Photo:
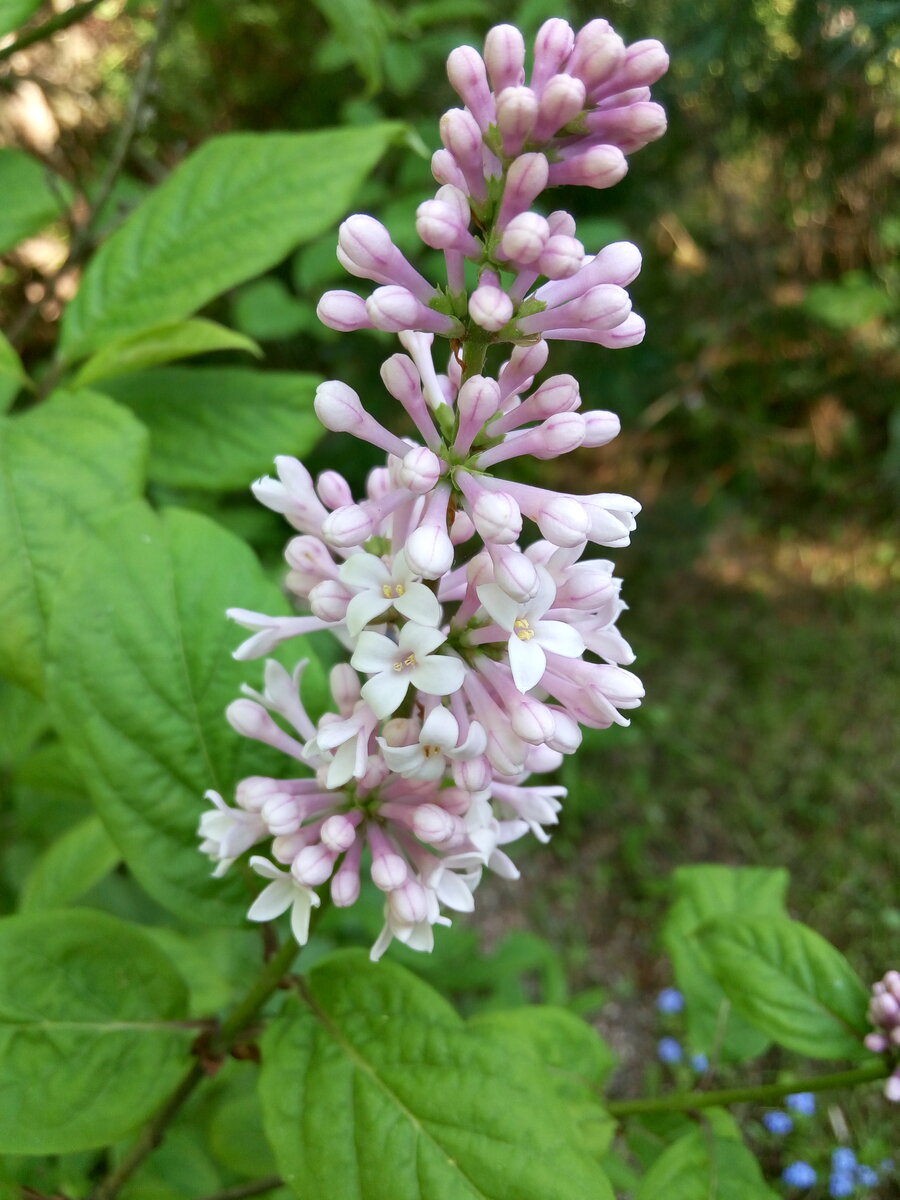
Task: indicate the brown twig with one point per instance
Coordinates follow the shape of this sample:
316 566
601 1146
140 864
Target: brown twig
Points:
56 23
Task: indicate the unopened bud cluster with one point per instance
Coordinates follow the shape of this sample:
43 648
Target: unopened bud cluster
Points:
479 639
884 1014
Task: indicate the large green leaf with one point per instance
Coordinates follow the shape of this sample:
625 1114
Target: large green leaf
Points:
86 1052
708 1163
374 1088
141 673
578 1059
14 13
790 983
61 463
234 208
241 418
28 201
69 867
703 893
12 374
162 344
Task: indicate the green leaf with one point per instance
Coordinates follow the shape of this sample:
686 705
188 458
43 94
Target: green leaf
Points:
29 204
579 1062
14 13
61 463
241 418
146 597
709 1163
265 309
703 893
790 983
373 1087
236 1136
69 867
234 208
85 1049
164 343
13 376
25 718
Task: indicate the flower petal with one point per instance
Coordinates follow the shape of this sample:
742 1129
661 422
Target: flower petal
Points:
527 662
362 609
502 608
374 652
438 675
418 603
559 638
440 728
420 639
273 900
384 692
364 571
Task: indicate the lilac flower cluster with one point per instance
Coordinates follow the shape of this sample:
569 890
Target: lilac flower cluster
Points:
884 1013
474 659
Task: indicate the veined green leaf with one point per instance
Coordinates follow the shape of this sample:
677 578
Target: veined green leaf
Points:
162 344
241 418
69 867
146 598
87 1047
14 13
13 376
373 1087
76 455
29 203
234 208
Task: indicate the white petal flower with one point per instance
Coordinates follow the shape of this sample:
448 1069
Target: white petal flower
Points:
530 636
228 832
395 665
283 893
438 737
380 587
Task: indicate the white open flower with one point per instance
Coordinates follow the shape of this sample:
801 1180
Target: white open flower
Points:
283 893
530 636
395 665
379 587
426 758
228 832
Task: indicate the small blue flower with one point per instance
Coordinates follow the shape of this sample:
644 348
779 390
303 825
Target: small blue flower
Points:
802 1102
799 1175
867 1176
840 1185
669 1050
670 1000
700 1063
777 1122
843 1160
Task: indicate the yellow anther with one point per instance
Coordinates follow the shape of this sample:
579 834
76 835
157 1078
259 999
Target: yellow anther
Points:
393 591
522 629
410 662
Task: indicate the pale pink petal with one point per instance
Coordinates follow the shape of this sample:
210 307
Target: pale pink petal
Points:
384 693
374 652
440 728
273 900
501 607
364 571
418 603
420 639
363 608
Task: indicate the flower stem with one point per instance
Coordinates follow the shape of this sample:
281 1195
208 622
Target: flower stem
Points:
152 1134
686 1101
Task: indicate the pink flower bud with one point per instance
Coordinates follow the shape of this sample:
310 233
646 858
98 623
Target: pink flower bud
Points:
338 833
892 1088
433 825
344 684
249 719
490 307
462 137
365 249
439 225
531 720
343 311
525 237
333 489
282 814
559 434
328 601
389 870
474 774
526 179
338 407
420 470
562 100
598 53
561 223
524 363
429 552
462 528
345 888
504 57
517 109
600 428
552 47
644 63
629 127
597 167
466 72
561 257
347 526
876 1042
478 400
395 309
313 865
514 573
446 170
409 903
497 518
563 521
